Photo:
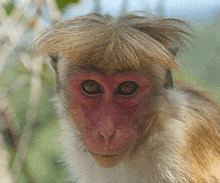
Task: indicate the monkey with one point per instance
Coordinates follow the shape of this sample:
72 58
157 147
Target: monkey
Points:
123 118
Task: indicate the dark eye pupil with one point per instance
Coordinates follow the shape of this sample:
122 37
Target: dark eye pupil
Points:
91 87
127 88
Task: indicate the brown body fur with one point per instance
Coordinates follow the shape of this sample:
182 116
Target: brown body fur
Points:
180 139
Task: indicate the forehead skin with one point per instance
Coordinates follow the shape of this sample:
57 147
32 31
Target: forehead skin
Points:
109 78
68 69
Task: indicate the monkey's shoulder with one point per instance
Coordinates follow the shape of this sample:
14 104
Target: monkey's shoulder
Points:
199 100
201 115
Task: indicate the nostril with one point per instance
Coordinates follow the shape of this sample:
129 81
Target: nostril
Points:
107 135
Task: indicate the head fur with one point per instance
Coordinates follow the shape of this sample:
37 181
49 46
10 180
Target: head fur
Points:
123 43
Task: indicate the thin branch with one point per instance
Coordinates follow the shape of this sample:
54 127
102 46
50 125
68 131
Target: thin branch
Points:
97 6
30 118
124 7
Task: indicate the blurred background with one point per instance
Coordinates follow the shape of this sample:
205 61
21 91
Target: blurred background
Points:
29 148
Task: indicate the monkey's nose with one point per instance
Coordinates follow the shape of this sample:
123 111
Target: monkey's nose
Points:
107 135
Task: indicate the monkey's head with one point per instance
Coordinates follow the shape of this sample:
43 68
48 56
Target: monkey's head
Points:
107 72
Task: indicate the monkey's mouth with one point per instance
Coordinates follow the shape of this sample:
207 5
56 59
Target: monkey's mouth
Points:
107 156
107 160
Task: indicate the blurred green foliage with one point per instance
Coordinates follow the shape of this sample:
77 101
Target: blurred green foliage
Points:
200 64
63 3
9 6
203 57
42 162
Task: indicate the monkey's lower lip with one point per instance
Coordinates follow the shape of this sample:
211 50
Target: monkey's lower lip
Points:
107 156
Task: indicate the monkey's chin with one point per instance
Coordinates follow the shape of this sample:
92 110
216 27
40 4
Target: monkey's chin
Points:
108 161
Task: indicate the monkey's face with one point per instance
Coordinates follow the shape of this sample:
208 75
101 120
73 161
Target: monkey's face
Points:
106 109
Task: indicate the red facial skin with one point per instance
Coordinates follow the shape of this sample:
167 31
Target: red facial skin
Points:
107 119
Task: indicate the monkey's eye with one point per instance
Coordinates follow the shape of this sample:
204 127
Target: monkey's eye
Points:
91 87
127 88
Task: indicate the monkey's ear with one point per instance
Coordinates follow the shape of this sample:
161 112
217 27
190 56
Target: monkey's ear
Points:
169 80
54 61
173 50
